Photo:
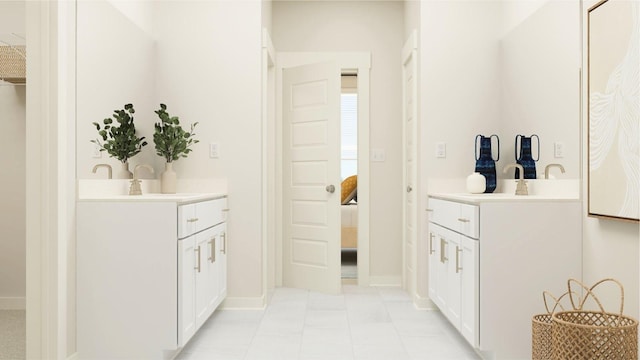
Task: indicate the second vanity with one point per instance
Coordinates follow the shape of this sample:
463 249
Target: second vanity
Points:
490 257
151 270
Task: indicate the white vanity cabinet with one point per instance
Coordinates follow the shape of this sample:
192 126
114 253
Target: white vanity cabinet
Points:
490 259
139 295
202 266
453 265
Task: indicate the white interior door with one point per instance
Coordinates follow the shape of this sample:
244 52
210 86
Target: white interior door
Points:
311 177
409 111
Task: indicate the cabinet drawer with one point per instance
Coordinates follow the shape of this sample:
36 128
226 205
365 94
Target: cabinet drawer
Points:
193 218
459 217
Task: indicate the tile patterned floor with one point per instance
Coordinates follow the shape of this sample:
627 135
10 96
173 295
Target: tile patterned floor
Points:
361 323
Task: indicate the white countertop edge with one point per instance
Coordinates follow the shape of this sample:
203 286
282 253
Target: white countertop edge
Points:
179 198
500 197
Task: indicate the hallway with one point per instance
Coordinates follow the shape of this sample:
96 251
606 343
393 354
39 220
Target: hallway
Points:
361 323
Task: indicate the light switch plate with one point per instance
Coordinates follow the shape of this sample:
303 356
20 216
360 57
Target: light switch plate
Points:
214 150
558 149
441 150
378 155
97 154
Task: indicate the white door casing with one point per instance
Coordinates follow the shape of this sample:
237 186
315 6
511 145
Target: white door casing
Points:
410 163
311 177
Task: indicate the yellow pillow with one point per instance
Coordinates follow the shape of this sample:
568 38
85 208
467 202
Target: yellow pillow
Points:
349 188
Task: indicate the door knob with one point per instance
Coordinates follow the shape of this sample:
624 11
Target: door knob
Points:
409 188
330 189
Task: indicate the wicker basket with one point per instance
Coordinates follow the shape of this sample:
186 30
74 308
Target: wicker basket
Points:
583 334
541 324
13 67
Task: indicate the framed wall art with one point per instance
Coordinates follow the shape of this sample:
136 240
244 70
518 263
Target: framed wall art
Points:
613 89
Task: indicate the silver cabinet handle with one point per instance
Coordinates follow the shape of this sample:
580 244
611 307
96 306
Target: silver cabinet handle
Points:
224 243
458 251
443 244
431 251
197 250
330 189
464 220
192 220
428 210
409 188
212 242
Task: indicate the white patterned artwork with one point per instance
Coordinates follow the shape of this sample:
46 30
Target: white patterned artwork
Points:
614 109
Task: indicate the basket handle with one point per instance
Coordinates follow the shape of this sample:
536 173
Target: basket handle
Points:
589 292
555 300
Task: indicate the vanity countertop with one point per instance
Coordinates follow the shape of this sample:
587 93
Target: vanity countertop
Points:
179 198
500 197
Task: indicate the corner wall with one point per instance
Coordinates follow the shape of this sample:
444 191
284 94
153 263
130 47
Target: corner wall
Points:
12 192
460 92
209 63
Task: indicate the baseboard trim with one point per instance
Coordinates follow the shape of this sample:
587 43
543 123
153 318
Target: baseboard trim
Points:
231 303
13 303
73 356
424 303
385 280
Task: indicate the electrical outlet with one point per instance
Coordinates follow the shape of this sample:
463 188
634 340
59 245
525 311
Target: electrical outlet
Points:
441 150
96 151
214 150
558 149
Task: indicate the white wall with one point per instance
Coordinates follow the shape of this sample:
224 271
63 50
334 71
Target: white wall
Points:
376 27
12 192
209 70
517 11
610 247
115 66
540 73
411 17
460 92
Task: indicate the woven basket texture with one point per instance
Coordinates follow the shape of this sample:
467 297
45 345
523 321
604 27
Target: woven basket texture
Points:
541 337
12 62
580 334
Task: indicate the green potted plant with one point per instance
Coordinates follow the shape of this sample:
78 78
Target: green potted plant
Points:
119 139
172 143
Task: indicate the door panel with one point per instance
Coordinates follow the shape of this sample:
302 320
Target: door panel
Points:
409 71
311 229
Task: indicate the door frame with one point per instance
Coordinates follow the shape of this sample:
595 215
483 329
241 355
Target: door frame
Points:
360 62
51 174
409 278
268 163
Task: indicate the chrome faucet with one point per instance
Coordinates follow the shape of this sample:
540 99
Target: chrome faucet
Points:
546 169
135 188
521 188
95 168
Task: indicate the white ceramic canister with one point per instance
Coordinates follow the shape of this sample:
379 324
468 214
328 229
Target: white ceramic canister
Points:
476 183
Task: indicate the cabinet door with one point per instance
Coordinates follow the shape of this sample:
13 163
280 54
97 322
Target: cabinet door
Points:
454 277
432 248
222 263
442 271
212 285
205 281
186 289
470 291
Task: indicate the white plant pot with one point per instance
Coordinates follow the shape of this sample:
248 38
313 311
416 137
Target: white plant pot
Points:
123 172
168 179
